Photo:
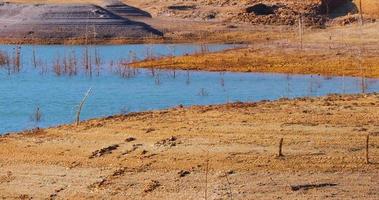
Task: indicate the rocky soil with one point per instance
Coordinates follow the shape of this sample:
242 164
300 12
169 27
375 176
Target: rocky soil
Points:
314 13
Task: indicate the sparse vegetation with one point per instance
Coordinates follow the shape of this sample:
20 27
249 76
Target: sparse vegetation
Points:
3 59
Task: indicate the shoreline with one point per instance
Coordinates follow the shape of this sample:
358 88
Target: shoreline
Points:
147 112
319 53
211 37
150 154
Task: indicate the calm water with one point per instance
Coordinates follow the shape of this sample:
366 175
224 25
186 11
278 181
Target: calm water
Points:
119 89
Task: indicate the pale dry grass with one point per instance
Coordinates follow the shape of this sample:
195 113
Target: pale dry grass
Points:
352 35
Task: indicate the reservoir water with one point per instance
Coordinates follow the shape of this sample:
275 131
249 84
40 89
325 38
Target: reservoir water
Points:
54 79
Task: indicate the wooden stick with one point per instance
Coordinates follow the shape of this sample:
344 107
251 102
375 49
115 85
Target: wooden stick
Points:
280 154
361 12
206 179
301 31
367 149
81 106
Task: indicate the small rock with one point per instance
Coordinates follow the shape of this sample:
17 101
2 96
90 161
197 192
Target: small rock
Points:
151 186
130 139
183 173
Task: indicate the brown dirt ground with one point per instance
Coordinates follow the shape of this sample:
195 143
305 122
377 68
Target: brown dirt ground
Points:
165 154
184 25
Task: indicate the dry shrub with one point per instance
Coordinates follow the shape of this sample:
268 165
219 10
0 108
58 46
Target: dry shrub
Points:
3 58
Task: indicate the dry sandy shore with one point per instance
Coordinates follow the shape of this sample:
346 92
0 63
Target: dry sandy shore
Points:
224 151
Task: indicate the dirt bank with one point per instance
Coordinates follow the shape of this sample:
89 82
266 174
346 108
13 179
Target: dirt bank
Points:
227 150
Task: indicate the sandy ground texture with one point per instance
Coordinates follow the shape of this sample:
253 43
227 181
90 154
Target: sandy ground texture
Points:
203 152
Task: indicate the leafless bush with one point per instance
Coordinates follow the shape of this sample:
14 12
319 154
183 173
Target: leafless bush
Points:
37 115
188 78
4 59
124 70
57 67
222 80
87 61
203 92
98 62
149 53
125 110
157 79
204 49
14 63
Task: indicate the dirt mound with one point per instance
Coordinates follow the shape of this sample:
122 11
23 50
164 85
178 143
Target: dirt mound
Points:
69 21
314 13
282 14
261 9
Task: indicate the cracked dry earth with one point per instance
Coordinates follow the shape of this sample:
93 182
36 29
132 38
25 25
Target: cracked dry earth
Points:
224 151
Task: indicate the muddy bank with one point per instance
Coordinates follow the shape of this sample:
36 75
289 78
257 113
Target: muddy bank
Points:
274 60
218 151
343 51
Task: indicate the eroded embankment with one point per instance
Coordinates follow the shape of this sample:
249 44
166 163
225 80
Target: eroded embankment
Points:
219 151
65 21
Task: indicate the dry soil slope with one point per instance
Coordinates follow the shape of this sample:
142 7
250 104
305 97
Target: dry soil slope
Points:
70 21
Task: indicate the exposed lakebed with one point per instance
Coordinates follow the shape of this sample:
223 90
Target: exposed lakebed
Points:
54 79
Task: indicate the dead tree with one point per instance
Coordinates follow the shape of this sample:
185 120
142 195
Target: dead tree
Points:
81 106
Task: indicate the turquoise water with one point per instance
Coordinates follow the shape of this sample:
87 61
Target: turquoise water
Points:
113 92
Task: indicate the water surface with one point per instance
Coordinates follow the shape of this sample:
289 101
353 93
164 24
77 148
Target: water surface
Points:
119 89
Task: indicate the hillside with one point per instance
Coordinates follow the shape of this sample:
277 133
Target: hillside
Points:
136 21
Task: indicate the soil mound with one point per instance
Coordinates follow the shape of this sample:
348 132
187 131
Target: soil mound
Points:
261 9
282 14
